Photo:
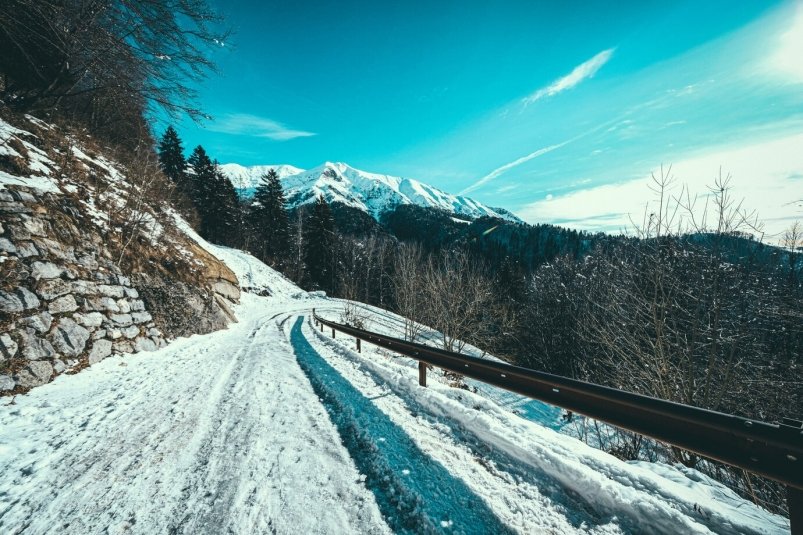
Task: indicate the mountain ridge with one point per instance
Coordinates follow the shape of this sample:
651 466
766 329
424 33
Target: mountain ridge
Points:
373 193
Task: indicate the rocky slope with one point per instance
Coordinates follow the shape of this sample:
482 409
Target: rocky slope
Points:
91 262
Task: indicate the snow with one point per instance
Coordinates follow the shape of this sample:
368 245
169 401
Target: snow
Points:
372 193
271 426
248 178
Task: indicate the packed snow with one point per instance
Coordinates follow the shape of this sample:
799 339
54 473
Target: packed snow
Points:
370 192
272 426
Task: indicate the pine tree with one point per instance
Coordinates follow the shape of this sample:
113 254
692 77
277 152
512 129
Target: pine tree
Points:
225 207
319 246
270 219
201 187
171 158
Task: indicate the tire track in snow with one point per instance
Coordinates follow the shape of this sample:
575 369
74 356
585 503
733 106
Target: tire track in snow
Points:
415 493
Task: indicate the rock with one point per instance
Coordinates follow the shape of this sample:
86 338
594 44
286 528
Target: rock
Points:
8 347
6 246
123 320
10 303
62 304
37 372
46 270
51 288
131 332
132 293
26 249
90 319
88 262
111 291
59 366
14 208
123 281
100 333
100 350
124 306
69 338
83 287
114 334
35 226
21 299
28 298
141 317
144 344
154 332
40 322
226 289
101 303
124 346
137 306
35 348
23 196
6 383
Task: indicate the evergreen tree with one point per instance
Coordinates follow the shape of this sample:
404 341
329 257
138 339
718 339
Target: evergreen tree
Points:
270 219
223 217
171 158
201 187
319 246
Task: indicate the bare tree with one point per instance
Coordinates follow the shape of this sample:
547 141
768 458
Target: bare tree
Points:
407 288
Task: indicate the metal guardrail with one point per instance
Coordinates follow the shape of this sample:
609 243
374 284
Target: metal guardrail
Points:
774 451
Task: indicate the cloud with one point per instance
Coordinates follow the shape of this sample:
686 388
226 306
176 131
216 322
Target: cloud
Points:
787 56
764 174
578 74
244 124
524 159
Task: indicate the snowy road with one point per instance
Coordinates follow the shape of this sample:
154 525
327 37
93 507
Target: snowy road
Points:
272 427
215 434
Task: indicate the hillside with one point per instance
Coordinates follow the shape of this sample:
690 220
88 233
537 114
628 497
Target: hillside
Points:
91 260
373 193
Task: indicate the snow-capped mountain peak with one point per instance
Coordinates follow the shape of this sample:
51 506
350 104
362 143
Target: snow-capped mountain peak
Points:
372 193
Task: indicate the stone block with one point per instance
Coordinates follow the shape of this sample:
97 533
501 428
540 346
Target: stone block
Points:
36 373
7 247
141 317
89 319
52 288
6 383
124 320
131 332
100 350
69 338
34 347
144 344
8 347
65 303
46 270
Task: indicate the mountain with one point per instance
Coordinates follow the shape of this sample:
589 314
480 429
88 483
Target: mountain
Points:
372 193
247 178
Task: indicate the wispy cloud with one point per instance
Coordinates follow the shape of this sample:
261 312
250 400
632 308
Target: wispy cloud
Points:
578 74
499 170
245 124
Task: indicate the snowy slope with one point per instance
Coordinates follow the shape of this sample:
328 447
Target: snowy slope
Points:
370 192
248 178
273 427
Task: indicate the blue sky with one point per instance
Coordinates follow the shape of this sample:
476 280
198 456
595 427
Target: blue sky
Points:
532 106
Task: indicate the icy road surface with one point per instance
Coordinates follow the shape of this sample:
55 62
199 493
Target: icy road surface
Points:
272 427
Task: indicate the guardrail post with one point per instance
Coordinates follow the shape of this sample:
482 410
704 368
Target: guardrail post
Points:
333 332
794 502
422 373
359 348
